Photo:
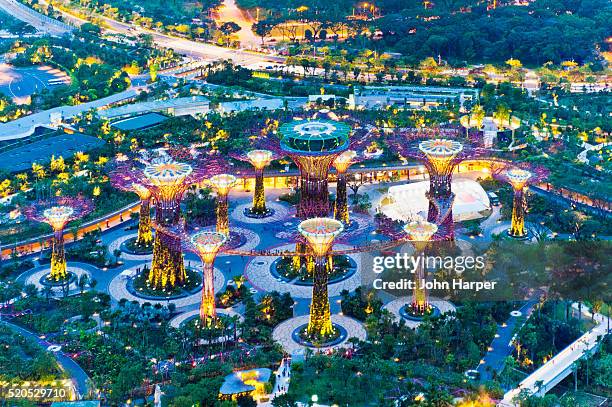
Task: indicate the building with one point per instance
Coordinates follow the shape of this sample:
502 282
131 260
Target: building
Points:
173 107
415 97
405 201
245 382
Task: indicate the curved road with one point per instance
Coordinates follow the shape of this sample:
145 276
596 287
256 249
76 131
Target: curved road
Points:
196 50
78 375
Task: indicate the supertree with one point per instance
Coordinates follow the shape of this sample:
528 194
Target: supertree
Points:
127 182
519 177
259 159
320 234
167 177
420 233
313 145
222 183
207 245
341 164
440 154
58 212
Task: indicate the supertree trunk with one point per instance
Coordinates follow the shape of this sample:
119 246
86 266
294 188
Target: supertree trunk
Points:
222 215
440 209
168 268
145 236
320 323
517 228
208 310
259 196
420 303
314 199
341 211
58 257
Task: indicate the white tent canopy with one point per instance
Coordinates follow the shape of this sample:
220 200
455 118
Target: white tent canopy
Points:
405 202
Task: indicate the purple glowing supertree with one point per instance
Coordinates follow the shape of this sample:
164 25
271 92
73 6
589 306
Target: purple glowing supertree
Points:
58 212
314 145
167 177
440 151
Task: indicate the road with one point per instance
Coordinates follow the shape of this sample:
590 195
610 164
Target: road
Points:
78 375
229 11
24 126
196 50
550 372
39 21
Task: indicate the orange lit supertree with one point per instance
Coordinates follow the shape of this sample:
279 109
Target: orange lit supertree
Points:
207 245
420 233
167 177
519 177
58 212
320 234
440 151
222 184
127 182
341 164
259 159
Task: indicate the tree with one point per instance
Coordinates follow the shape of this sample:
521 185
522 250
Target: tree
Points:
262 29
284 400
82 282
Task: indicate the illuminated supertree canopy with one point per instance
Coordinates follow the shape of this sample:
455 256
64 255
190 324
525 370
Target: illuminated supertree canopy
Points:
222 183
207 245
519 177
259 159
58 212
167 179
320 234
341 164
313 146
441 154
420 233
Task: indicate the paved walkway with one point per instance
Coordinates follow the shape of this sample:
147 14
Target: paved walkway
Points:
283 333
259 275
118 289
501 346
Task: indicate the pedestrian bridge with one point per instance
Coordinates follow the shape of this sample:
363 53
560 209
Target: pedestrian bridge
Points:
562 365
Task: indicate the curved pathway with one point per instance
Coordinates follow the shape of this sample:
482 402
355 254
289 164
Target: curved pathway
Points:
258 273
560 366
283 333
177 321
118 290
79 376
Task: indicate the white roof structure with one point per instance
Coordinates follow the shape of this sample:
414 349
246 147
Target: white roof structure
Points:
407 202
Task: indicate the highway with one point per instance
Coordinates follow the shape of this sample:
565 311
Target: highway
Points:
39 21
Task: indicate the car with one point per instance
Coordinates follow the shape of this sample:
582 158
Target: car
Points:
493 198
